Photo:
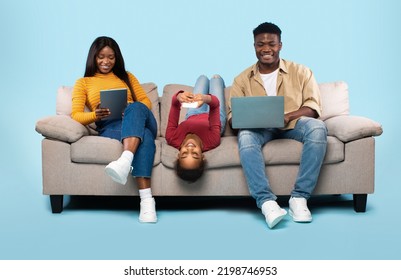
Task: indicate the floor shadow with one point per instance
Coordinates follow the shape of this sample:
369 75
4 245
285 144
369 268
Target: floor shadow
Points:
197 203
163 203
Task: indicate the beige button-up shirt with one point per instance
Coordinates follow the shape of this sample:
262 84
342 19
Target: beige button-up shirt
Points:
294 81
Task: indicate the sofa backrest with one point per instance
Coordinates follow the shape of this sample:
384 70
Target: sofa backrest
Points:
64 101
334 99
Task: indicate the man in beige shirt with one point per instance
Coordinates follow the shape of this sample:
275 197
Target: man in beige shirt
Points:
274 76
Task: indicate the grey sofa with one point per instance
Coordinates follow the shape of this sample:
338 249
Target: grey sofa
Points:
74 157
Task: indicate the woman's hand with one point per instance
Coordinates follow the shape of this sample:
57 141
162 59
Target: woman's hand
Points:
101 113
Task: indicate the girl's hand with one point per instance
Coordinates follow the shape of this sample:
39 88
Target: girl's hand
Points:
185 97
202 98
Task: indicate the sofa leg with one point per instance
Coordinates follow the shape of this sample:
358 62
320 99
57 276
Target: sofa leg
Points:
56 202
360 202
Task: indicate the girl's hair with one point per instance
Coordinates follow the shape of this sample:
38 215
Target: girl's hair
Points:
189 175
118 69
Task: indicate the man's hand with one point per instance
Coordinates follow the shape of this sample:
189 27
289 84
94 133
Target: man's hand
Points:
302 112
286 119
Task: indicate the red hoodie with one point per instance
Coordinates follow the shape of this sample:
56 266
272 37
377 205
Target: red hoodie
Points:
207 125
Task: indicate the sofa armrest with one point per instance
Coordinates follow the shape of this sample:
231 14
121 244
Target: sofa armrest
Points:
61 128
349 128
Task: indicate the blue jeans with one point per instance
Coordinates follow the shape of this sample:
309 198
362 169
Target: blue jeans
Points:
215 87
309 131
138 122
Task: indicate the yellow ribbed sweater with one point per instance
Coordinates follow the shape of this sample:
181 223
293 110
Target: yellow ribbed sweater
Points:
87 92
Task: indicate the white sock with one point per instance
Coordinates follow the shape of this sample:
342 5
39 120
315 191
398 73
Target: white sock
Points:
145 193
127 155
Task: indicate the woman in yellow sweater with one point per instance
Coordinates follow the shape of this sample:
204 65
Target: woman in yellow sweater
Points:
137 129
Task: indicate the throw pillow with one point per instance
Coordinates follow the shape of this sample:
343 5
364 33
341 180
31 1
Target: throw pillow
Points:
334 98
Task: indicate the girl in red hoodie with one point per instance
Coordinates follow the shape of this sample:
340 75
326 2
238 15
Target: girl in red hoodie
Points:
202 128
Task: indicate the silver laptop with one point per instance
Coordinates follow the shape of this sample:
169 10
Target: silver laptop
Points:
257 112
115 100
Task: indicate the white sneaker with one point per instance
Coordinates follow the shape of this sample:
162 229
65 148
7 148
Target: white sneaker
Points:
118 170
147 214
273 213
299 210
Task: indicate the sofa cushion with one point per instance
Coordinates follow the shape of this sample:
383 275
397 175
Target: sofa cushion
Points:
151 90
165 104
334 98
61 127
228 130
349 128
101 150
283 151
64 103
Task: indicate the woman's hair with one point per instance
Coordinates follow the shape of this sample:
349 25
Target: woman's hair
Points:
119 67
190 175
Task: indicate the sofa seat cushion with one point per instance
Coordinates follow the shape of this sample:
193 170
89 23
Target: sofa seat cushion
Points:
276 152
101 150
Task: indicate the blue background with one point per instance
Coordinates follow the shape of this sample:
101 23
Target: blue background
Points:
44 44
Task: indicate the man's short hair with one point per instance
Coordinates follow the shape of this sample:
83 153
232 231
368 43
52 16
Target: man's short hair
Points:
267 27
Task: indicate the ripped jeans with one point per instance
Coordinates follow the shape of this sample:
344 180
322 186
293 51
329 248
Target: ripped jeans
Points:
309 131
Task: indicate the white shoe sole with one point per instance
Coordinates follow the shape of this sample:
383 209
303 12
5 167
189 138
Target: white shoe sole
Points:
300 219
150 221
115 176
277 219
